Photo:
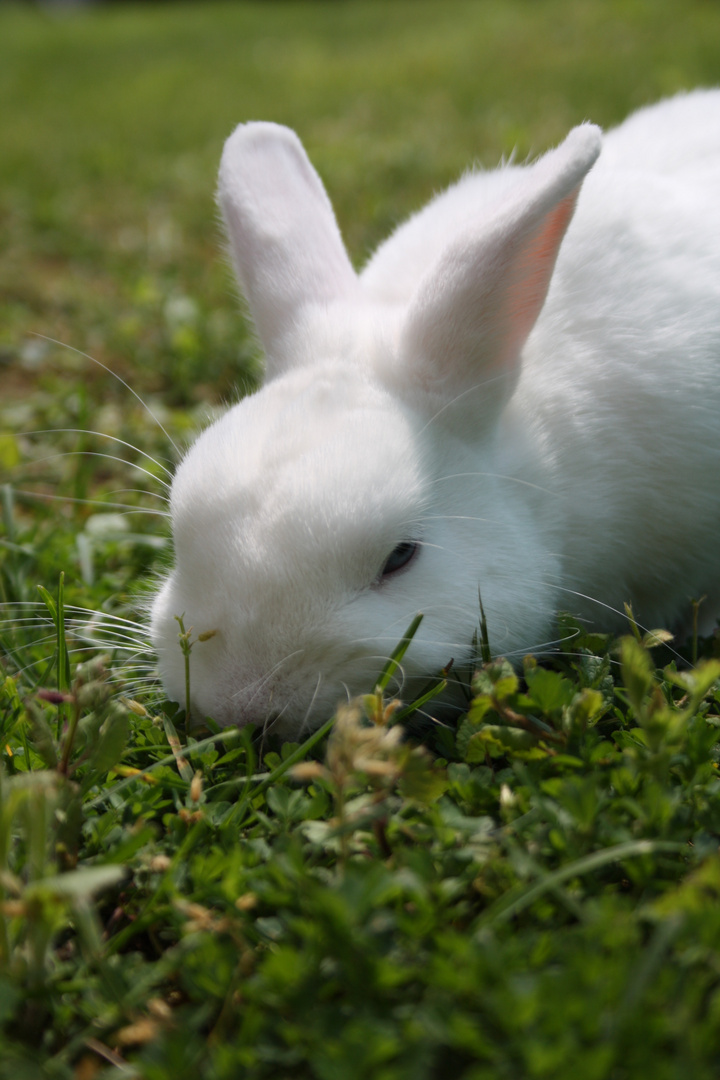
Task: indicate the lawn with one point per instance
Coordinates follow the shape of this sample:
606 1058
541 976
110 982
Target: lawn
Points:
534 895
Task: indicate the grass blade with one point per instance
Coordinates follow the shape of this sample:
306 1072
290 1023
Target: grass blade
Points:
516 900
396 658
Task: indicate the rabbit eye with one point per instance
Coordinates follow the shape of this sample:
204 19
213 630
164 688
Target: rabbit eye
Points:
400 557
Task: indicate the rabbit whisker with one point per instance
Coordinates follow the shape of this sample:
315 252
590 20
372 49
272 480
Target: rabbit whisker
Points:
87 356
452 403
496 476
107 457
259 683
308 711
128 507
100 435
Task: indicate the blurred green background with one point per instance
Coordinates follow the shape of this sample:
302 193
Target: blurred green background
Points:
113 116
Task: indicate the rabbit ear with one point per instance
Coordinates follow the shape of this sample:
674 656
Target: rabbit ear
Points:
285 242
473 312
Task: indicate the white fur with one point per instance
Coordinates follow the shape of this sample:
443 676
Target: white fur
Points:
541 414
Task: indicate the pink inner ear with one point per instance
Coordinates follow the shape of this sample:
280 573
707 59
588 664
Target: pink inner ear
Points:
550 236
472 315
532 275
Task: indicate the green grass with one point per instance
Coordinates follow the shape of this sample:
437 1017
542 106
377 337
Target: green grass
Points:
537 895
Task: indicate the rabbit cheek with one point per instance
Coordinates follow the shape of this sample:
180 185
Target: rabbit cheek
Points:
179 625
240 672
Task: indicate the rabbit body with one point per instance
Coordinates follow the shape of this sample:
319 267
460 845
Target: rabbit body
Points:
519 395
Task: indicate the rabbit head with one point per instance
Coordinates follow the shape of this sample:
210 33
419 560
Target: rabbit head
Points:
369 479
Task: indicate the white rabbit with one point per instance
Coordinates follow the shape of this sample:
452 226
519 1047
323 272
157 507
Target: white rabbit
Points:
519 395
